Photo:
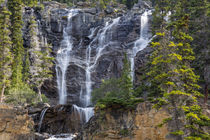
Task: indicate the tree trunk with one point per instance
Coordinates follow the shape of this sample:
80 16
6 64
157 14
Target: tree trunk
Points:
206 93
40 94
2 93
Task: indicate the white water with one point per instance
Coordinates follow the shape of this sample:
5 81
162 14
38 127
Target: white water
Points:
62 137
85 113
85 98
103 40
142 42
63 58
41 118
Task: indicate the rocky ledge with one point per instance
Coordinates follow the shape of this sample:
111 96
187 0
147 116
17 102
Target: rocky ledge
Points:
138 124
15 124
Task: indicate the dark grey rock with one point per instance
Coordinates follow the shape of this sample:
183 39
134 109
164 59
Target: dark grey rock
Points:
53 19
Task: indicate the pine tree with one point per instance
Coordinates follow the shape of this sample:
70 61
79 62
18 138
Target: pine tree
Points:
5 49
40 52
125 79
175 78
17 41
26 67
117 90
199 24
30 3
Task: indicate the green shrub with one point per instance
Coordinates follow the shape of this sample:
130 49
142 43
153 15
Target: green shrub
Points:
21 95
116 91
44 99
124 132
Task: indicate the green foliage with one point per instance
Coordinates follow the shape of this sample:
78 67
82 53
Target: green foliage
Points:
5 49
44 99
21 94
116 91
124 132
42 66
164 121
26 67
17 40
30 3
170 70
177 133
118 103
102 3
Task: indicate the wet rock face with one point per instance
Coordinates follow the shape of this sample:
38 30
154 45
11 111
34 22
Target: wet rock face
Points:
15 124
51 23
58 119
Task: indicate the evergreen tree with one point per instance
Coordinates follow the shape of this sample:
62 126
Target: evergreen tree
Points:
26 67
30 3
199 24
115 89
5 49
40 70
17 41
173 75
125 79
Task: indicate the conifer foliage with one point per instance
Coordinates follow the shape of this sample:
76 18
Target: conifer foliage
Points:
5 49
115 90
17 41
171 71
40 52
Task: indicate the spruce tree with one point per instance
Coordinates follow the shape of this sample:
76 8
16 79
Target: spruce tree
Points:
40 53
125 79
175 78
26 67
17 41
30 3
5 49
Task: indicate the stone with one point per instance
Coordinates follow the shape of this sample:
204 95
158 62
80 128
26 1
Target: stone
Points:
139 124
53 19
58 119
15 124
109 10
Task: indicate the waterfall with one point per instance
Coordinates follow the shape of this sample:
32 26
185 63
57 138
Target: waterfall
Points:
142 42
63 58
41 118
62 137
103 38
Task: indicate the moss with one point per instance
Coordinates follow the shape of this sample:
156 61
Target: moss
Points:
124 132
177 133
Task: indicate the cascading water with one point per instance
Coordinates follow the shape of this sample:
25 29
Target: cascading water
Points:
63 58
41 118
87 112
142 42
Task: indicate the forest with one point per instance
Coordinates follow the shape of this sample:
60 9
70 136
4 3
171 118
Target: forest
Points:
176 73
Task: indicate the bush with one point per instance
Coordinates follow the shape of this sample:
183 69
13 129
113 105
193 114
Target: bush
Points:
116 91
21 95
44 99
108 89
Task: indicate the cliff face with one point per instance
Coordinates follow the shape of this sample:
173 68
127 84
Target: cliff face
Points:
139 124
87 28
15 124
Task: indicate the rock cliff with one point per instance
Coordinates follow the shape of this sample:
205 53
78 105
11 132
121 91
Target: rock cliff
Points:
86 30
15 124
138 124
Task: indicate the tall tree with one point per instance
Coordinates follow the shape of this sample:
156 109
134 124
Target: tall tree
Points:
5 49
17 41
40 53
172 73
